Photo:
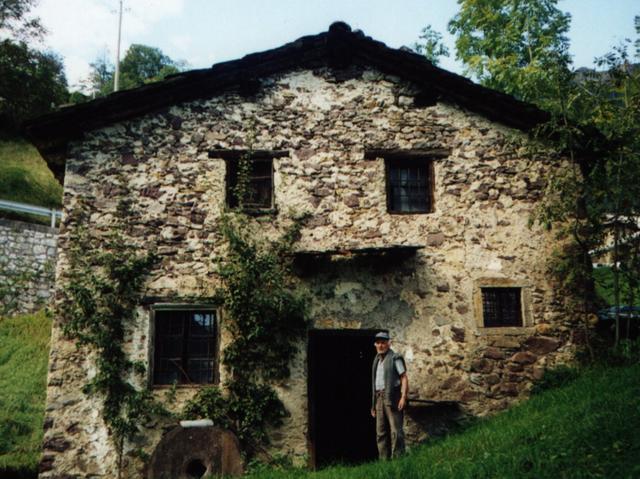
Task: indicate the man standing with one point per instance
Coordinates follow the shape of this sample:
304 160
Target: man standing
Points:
389 398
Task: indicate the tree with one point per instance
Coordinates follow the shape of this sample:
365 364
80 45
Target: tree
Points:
31 83
636 22
141 64
431 46
598 205
515 46
15 21
100 81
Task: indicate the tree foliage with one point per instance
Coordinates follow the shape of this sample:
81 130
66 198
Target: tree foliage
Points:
515 46
520 47
144 64
636 22
141 64
15 21
265 317
430 45
596 122
31 83
103 286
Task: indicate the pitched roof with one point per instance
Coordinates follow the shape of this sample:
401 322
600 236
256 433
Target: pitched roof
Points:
339 47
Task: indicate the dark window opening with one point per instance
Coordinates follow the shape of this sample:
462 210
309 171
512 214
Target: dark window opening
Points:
259 187
409 186
501 307
185 347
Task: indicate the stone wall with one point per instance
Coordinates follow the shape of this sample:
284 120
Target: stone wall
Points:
27 264
485 193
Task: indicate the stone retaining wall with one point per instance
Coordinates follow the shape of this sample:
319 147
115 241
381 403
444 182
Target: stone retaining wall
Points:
27 264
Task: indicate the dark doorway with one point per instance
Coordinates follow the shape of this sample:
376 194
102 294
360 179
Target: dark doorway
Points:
340 424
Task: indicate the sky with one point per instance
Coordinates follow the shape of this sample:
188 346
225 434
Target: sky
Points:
204 32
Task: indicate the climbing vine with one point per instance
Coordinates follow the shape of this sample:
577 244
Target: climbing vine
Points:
103 285
265 315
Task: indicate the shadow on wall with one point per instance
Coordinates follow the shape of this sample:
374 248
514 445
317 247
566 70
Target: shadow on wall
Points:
432 419
361 291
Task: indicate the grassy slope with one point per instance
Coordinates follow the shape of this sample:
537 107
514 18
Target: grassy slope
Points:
586 429
25 177
24 348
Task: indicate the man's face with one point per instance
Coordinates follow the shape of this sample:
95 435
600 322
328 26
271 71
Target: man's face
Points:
382 346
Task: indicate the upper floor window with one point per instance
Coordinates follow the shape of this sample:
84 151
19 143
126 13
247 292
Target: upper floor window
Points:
258 187
185 346
501 307
409 185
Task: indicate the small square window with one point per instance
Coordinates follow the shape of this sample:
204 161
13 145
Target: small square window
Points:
409 186
185 346
259 193
501 307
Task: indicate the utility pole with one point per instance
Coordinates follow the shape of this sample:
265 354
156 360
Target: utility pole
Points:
116 77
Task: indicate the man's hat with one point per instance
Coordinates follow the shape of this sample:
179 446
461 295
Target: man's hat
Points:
382 336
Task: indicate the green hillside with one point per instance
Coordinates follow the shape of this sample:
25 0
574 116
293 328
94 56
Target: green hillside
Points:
24 350
25 177
586 429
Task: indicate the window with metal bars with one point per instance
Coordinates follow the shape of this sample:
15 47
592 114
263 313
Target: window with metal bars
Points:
501 307
409 186
259 194
185 347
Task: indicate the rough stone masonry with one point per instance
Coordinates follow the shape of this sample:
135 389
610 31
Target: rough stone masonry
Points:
485 190
27 263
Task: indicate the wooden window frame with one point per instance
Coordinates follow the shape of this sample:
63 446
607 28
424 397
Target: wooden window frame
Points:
395 162
180 307
231 157
231 181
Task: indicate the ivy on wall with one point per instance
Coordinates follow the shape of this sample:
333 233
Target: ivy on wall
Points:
102 288
266 316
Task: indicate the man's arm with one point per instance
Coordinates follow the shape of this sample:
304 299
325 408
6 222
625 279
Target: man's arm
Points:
404 391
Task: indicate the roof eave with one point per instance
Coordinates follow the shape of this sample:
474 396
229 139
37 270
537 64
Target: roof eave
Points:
337 48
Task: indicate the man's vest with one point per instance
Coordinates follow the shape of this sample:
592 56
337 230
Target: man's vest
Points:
391 378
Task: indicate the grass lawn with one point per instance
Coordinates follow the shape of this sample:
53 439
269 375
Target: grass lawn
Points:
25 176
24 350
586 429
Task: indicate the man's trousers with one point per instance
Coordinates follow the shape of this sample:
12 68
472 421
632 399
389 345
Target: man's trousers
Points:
389 432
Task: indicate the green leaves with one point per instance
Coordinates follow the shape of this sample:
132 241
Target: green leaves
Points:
515 46
266 317
141 64
102 289
430 45
30 83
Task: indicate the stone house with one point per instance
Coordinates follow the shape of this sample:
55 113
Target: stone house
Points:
420 205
